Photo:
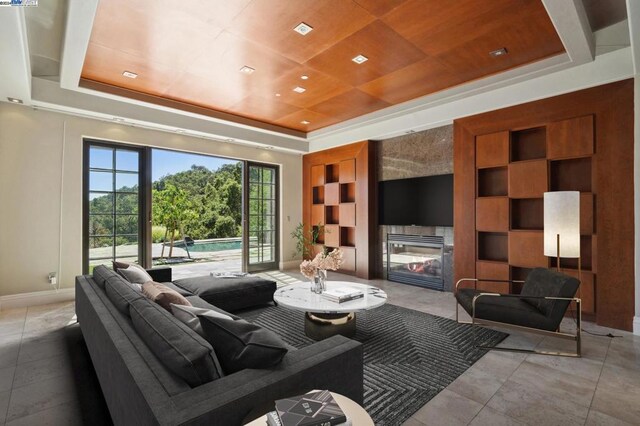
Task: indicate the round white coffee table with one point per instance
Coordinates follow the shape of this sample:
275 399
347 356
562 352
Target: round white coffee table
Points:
351 409
323 317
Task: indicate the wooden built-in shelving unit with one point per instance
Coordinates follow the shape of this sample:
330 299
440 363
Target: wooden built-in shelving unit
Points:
339 194
505 160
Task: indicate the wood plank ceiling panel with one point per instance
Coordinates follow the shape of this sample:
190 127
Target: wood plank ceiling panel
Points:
192 55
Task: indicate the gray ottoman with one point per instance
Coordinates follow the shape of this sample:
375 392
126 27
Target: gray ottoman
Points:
230 294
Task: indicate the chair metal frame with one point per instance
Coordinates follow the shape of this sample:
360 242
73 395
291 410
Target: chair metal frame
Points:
482 322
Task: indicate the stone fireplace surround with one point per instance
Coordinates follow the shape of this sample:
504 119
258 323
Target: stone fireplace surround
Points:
418 154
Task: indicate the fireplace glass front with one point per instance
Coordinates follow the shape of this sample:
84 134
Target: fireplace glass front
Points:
416 260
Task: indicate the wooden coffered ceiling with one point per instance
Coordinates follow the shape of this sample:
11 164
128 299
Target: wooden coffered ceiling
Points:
188 55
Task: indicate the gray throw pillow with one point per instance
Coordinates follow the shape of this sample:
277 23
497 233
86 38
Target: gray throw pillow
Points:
178 347
189 316
133 273
240 344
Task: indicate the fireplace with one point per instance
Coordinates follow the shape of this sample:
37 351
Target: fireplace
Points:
416 260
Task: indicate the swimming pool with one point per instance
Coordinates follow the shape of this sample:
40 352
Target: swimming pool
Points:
203 246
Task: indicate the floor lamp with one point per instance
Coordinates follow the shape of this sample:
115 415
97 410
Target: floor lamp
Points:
562 226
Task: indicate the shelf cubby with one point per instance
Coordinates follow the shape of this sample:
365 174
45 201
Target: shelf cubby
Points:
493 246
348 192
319 230
347 236
332 215
332 173
586 254
318 195
571 175
492 182
519 274
527 214
529 144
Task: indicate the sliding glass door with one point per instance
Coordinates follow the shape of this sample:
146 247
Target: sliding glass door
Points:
114 191
261 217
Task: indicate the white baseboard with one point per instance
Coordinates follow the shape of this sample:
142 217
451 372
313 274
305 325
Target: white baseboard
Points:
636 325
290 264
36 298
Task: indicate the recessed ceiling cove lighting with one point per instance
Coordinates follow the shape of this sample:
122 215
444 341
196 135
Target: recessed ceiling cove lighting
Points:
305 122
303 28
304 77
360 59
499 52
247 70
14 100
278 94
129 74
299 89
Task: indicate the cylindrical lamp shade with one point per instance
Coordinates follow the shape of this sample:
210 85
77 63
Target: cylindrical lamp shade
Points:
562 217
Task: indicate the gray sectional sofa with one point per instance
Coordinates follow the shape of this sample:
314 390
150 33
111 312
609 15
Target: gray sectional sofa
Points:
147 382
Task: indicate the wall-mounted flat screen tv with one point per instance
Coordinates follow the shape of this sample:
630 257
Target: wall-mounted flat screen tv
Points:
423 201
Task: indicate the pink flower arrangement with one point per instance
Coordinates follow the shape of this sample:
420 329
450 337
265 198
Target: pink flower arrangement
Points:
329 261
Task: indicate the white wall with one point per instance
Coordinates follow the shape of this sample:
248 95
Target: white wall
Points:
32 173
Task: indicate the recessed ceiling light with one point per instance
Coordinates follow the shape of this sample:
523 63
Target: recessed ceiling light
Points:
268 147
304 77
129 74
118 119
299 89
230 140
499 52
179 131
247 70
360 59
305 122
303 28
278 94
14 100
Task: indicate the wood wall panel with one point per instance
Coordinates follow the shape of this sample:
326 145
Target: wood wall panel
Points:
570 138
350 203
606 178
492 150
526 249
528 179
492 214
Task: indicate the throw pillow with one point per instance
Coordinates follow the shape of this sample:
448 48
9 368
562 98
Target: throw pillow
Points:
240 344
163 295
189 316
132 272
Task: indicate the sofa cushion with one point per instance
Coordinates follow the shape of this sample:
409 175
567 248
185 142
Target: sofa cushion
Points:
178 347
189 316
230 294
163 295
101 273
132 272
121 293
240 344
543 282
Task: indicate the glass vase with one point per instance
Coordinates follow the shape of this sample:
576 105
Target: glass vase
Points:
321 281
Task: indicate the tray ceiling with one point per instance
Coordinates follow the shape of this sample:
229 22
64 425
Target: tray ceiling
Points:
190 57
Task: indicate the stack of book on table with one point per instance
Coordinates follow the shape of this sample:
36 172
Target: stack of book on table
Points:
342 294
316 408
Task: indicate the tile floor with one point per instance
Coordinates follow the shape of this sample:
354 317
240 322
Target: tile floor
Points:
602 388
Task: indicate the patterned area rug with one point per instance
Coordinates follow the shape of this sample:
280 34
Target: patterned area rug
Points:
409 356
